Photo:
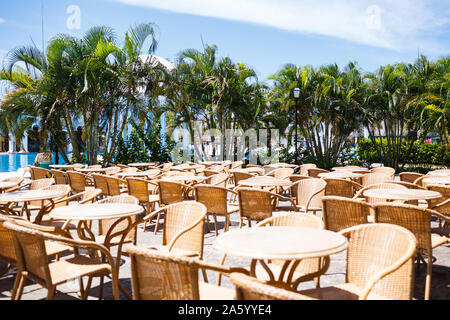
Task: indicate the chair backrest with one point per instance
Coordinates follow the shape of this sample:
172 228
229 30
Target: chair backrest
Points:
59 176
170 192
239 175
41 183
114 185
340 212
341 187
39 173
310 192
255 204
250 288
112 170
314 172
293 219
157 275
409 176
282 173
305 167
64 188
213 197
444 190
17 180
129 169
237 164
373 178
414 218
409 185
219 180
386 170
101 183
7 251
209 173
376 249
77 181
95 166
179 216
151 173
138 188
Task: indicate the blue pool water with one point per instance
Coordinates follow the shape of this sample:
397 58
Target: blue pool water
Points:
13 161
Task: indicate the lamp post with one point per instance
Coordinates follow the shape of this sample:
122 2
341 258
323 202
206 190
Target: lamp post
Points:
296 97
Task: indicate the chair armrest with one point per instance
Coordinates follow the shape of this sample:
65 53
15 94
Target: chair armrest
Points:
173 241
286 199
312 196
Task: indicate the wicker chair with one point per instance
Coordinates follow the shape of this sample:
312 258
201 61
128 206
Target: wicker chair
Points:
386 170
33 261
305 167
314 172
255 204
418 221
77 181
157 275
209 173
309 195
442 206
219 180
46 206
240 175
129 169
101 183
250 288
39 173
374 178
215 200
237 164
143 190
59 176
409 176
17 180
341 212
409 185
112 170
282 173
34 184
293 188
307 269
116 186
380 265
341 187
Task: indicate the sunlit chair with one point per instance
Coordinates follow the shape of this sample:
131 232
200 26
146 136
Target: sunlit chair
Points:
305 167
409 176
314 172
59 176
340 212
374 178
39 173
341 187
386 170
309 195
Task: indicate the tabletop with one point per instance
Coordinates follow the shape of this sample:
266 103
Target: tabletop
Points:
281 165
30 195
61 166
90 170
350 169
436 180
264 181
441 172
96 211
249 170
402 194
340 174
183 177
136 174
286 243
143 164
7 184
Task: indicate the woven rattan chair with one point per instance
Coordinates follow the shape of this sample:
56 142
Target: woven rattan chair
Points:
409 185
240 175
255 204
380 265
129 169
112 170
409 176
116 186
340 212
374 178
307 269
17 180
157 275
309 195
282 173
77 181
45 206
209 173
39 173
219 180
442 206
34 184
143 191
314 172
236 164
341 187
59 176
33 261
216 201
293 188
250 288
305 167
101 183
418 221
386 170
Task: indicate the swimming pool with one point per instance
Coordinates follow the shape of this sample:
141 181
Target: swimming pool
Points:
13 161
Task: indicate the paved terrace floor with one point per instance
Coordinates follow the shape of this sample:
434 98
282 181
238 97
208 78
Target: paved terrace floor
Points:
440 282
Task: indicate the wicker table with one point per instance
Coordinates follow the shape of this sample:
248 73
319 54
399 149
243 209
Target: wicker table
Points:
91 170
401 194
62 166
143 164
256 170
184 178
291 244
351 169
436 180
441 172
282 165
264 181
140 174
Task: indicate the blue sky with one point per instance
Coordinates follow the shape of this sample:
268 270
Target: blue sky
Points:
261 33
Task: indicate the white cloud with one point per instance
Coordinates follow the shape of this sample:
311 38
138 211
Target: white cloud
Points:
397 25
2 20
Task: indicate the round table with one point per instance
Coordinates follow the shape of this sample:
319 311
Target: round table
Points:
282 165
62 166
135 174
351 169
91 170
401 194
29 195
436 180
7 184
264 181
441 172
340 174
283 243
184 177
257 170
143 164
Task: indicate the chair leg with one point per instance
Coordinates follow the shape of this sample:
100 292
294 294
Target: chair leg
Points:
222 262
428 278
22 280
87 289
16 285
100 288
207 223
227 222
205 276
215 224
157 222
51 292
